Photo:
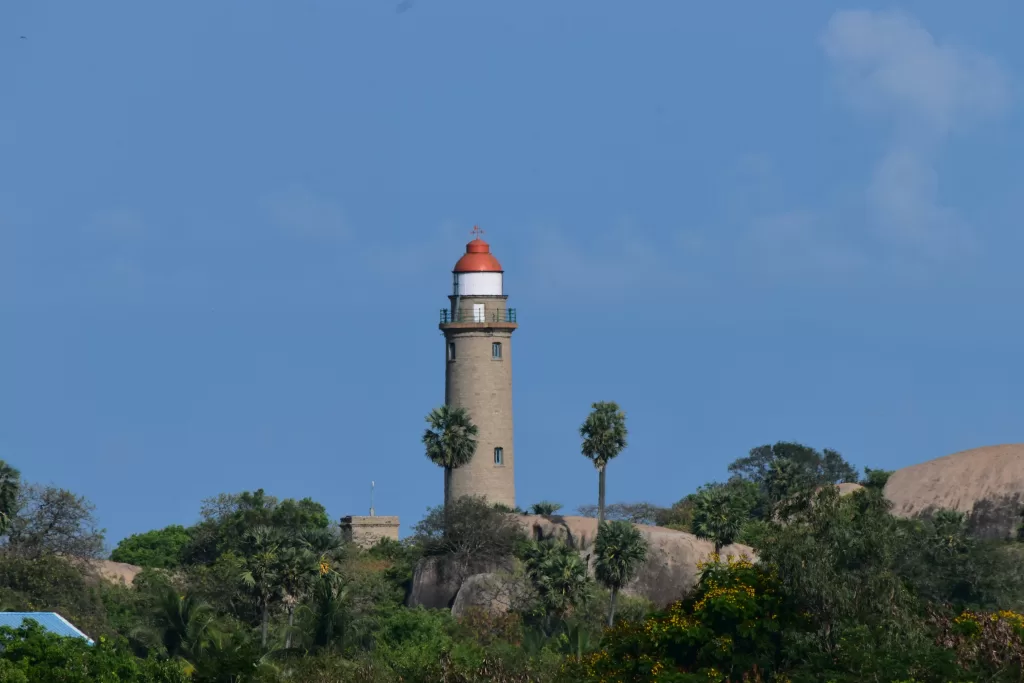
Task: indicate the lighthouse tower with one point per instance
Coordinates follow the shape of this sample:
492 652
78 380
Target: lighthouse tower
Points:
478 371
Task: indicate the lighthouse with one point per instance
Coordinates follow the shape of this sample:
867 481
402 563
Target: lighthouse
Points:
477 330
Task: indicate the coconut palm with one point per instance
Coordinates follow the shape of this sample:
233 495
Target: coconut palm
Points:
604 437
450 441
10 484
620 549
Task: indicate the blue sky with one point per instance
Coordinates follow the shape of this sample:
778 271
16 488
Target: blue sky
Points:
226 230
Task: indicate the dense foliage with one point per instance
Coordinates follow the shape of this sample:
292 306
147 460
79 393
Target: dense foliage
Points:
262 590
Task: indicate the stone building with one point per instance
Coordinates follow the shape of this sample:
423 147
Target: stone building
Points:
478 371
368 530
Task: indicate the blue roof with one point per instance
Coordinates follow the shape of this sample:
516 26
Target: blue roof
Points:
50 621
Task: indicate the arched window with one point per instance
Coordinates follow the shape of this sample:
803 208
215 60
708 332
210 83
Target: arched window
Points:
496 350
499 455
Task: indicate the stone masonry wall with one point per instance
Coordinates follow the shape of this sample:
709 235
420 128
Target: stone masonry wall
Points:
366 531
483 386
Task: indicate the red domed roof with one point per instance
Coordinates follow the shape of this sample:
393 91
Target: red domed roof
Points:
477 259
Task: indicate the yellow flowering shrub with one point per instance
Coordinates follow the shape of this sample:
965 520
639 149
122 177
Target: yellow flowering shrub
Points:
989 639
727 630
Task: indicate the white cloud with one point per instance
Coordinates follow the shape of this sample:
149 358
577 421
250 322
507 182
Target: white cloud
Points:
888 67
300 213
888 64
903 202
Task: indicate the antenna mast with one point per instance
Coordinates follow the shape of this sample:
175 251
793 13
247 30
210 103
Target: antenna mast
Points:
371 499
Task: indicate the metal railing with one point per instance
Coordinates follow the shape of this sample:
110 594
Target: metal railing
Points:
468 315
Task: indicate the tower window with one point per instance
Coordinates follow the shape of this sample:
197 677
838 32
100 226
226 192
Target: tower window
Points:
451 350
499 456
496 350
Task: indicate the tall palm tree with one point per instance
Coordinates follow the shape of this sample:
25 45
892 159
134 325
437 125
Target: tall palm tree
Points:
450 441
296 568
10 484
262 574
604 437
620 549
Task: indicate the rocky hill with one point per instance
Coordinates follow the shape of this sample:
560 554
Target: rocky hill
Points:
986 483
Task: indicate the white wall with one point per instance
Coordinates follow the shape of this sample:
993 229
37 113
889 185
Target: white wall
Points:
480 284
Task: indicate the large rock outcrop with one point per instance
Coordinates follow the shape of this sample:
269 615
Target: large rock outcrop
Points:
437 580
986 483
495 592
669 573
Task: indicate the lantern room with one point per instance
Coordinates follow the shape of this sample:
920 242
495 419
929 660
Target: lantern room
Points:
477 273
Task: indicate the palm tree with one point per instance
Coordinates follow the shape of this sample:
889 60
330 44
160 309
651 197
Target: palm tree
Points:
545 508
262 575
326 615
301 564
620 549
296 566
10 484
184 624
604 437
717 516
450 441
559 576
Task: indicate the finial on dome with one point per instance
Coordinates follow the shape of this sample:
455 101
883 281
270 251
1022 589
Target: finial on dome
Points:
478 257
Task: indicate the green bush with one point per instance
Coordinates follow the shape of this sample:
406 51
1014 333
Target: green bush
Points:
33 655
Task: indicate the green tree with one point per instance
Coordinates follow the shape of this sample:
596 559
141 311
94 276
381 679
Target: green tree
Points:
450 441
43 657
472 535
620 549
875 479
183 624
262 572
604 437
545 508
227 518
678 516
54 521
326 615
300 563
10 485
820 467
159 548
559 576
719 513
